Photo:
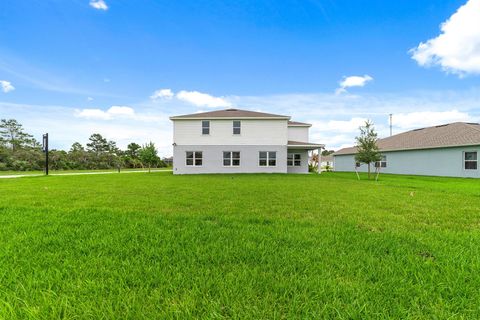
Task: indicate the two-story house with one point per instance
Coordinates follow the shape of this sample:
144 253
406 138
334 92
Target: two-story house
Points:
240 141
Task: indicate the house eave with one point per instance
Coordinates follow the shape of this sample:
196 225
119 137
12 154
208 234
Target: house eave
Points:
305 146
300 125
416 148
230 118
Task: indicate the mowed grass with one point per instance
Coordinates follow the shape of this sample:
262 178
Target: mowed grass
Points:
156 246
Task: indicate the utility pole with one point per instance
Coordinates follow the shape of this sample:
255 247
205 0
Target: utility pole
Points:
45 149
391 124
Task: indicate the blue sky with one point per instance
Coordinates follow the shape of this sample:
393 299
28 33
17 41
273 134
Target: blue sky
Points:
81 66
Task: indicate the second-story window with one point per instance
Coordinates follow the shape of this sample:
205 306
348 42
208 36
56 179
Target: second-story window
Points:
236 126
205 127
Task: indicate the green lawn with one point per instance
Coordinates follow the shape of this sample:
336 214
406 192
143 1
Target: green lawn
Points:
155 246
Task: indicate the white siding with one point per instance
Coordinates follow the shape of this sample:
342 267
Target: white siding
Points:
253 132
298 134
213 159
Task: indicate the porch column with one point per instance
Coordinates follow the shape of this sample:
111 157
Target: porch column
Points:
319 167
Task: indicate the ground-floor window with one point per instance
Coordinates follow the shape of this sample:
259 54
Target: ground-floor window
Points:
194 158
231 158
382 163
294 160
470 160
267 158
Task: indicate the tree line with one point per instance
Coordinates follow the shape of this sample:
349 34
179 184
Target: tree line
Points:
20 151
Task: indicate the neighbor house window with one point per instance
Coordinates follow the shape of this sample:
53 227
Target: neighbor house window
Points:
294 160
205 127
267 158
382 163
236 126
194 158
470 160
231 158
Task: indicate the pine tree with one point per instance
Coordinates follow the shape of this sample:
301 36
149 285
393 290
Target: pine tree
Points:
13 136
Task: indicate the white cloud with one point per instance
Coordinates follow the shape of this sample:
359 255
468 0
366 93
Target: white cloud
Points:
335 118
162 94
341 126
116 113
428 118
457 48
92 114
111 113
200 99
98 4
121 111
337 134
195 98
65 128
89 99
352 81
6 86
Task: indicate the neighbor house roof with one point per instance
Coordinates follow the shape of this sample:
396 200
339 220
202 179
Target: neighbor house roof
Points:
442 136
328 158
230 114
298 124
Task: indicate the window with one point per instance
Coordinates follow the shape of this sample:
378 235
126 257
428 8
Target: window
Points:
357 164
205 127
231 158
267 158
382 163
194 158
294 160
470 160
236 126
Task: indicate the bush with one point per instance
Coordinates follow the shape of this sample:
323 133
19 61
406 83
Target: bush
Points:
20 165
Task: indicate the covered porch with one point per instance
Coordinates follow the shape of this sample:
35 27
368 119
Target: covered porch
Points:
298 155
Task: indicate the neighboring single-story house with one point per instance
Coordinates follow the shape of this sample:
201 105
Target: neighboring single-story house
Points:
327 162
443 150
168 161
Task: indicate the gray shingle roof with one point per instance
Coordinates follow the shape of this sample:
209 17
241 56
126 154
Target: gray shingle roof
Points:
327 158
299 143
230 114
447 135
